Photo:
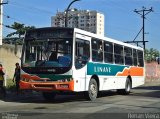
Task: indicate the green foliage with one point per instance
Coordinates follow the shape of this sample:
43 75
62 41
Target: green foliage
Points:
20 29
10 85
151 54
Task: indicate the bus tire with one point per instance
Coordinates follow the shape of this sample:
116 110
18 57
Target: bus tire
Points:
92 90
49 96
128 87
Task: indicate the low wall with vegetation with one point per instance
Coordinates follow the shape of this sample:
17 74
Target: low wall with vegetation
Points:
9 55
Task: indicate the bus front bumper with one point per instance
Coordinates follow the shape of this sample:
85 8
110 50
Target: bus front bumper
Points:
47 86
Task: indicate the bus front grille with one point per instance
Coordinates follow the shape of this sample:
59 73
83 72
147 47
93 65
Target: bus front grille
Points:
43 86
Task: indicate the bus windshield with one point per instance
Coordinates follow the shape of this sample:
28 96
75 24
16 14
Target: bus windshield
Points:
47 53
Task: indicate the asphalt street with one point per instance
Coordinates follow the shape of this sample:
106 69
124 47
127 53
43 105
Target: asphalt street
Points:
143 103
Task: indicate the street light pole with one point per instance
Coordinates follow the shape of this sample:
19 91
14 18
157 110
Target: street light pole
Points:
66 17
1 19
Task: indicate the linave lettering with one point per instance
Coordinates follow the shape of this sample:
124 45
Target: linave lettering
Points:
102 69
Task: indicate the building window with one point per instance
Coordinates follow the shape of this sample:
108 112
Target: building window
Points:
87 17
82 16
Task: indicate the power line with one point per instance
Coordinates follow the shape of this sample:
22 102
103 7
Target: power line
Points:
30 8
143 13
15 20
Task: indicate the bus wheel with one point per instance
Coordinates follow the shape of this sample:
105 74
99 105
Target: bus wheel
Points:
49 96
127 89
92 90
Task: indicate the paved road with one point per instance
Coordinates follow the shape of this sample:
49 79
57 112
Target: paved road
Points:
142 103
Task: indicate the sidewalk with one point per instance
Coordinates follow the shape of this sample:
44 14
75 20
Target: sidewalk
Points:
152 82
13 96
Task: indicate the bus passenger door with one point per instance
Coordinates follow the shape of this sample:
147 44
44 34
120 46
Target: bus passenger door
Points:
81 58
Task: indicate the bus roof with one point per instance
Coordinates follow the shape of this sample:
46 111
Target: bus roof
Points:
89 34
106 38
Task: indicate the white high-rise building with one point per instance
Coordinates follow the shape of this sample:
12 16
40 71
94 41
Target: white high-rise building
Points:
91 21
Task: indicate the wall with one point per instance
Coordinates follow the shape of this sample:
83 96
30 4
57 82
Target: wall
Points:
152 71
8 58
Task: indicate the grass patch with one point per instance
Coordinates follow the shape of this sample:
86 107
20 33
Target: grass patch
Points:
10 85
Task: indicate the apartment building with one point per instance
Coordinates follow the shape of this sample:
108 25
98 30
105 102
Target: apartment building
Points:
91 21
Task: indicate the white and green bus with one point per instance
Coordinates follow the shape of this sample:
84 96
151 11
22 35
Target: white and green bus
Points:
69 59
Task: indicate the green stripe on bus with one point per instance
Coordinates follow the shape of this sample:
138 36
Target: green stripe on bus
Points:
54 77
104 69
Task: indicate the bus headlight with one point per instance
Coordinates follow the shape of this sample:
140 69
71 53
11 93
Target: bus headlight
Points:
65 80
25 79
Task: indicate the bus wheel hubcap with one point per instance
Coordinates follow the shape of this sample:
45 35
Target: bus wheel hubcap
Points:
93 89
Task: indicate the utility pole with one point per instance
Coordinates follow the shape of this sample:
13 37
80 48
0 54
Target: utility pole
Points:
1 19
143 13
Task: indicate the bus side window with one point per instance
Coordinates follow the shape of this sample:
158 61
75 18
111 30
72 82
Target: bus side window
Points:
97 50
134 57
140 59
128 55
108 52
118 54
82 53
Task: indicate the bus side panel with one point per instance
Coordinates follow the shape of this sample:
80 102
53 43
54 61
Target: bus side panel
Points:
137 81
109 83
106 82
120 82
79 76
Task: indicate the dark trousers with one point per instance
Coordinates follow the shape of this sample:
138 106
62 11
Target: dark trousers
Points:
2 89
17 85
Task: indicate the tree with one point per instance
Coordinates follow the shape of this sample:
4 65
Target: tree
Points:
20 29
151 54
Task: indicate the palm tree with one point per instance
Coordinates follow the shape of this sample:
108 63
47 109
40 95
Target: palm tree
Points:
20 29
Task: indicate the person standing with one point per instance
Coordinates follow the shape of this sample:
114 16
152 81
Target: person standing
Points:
16 76
3 92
